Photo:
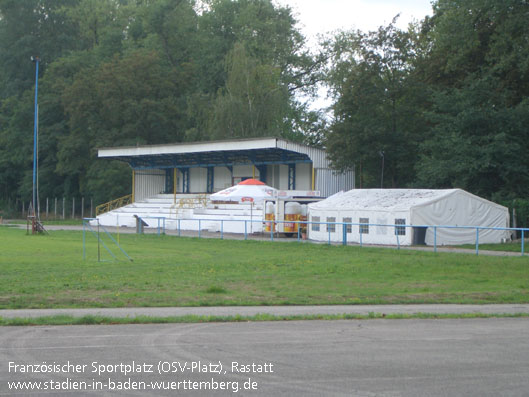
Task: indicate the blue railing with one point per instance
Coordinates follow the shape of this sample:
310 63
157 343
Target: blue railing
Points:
161 226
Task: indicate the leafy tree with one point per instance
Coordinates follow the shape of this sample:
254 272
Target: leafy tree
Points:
477 68
376 119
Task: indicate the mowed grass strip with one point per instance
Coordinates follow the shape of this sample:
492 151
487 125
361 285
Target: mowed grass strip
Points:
47 271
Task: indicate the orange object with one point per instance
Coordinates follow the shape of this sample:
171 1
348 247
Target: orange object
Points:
251 182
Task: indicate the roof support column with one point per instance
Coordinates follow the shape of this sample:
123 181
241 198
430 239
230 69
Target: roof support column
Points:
185 180
292 177
210 180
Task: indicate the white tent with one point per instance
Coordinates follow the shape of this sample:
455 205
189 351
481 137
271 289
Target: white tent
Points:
248 191
417 207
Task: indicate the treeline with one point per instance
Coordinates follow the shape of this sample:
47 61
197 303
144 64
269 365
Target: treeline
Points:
444 103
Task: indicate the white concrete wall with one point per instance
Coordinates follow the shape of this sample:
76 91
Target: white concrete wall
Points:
303 176
148 183
222 178
198 180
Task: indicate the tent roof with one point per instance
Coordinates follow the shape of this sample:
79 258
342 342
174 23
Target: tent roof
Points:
381 199
251 182
245 193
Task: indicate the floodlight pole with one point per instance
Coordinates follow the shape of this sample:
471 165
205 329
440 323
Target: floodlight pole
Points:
382 173
35 128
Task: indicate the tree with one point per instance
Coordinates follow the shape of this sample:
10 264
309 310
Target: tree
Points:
477 67
376 119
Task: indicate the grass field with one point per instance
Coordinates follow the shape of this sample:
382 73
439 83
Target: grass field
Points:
48 271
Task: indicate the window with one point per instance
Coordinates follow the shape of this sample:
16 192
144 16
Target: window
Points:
364 229
315 226
400 230
348 228
331 228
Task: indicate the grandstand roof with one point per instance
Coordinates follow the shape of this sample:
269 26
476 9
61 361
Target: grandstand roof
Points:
261 151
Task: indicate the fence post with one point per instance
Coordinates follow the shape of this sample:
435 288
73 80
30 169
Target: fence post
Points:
344 234
245 229
47 207
63 208
179 229
360 236
23 208
435 239
199 228
82 207
222 229
73 207
55 211
523 242
477 241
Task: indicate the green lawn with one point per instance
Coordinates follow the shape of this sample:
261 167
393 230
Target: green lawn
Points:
48 271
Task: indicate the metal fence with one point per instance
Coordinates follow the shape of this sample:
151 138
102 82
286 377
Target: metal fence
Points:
331 228
58 208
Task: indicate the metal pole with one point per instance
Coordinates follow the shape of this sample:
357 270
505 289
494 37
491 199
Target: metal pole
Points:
84 240
435 239
73 208
523 242
82 207
47 207
91 208
35 127
98 244
477 241
222 229
55 213
63 207
245 229
199 228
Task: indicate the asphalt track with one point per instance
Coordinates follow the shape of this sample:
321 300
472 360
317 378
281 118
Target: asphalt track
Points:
451 357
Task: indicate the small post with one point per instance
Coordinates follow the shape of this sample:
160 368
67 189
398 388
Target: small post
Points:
344 234
73 208
222 229
82 207
98 244
435 239
199 228
63 208
477 241
91 208
179 228
23 209
245 229
523 242
47 207
55 211
84 240
361 238
398 240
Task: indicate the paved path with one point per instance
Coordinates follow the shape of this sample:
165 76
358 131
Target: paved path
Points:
274 310
384 358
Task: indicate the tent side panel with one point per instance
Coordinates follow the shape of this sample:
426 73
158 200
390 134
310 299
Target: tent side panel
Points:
374 232
461 209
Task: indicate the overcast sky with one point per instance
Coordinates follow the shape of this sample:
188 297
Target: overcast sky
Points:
322 16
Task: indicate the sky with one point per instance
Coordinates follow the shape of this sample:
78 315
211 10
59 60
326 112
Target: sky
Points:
322 16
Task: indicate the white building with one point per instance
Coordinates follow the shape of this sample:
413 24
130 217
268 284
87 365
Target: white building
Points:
370 209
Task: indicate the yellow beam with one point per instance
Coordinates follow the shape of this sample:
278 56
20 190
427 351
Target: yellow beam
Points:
133 184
